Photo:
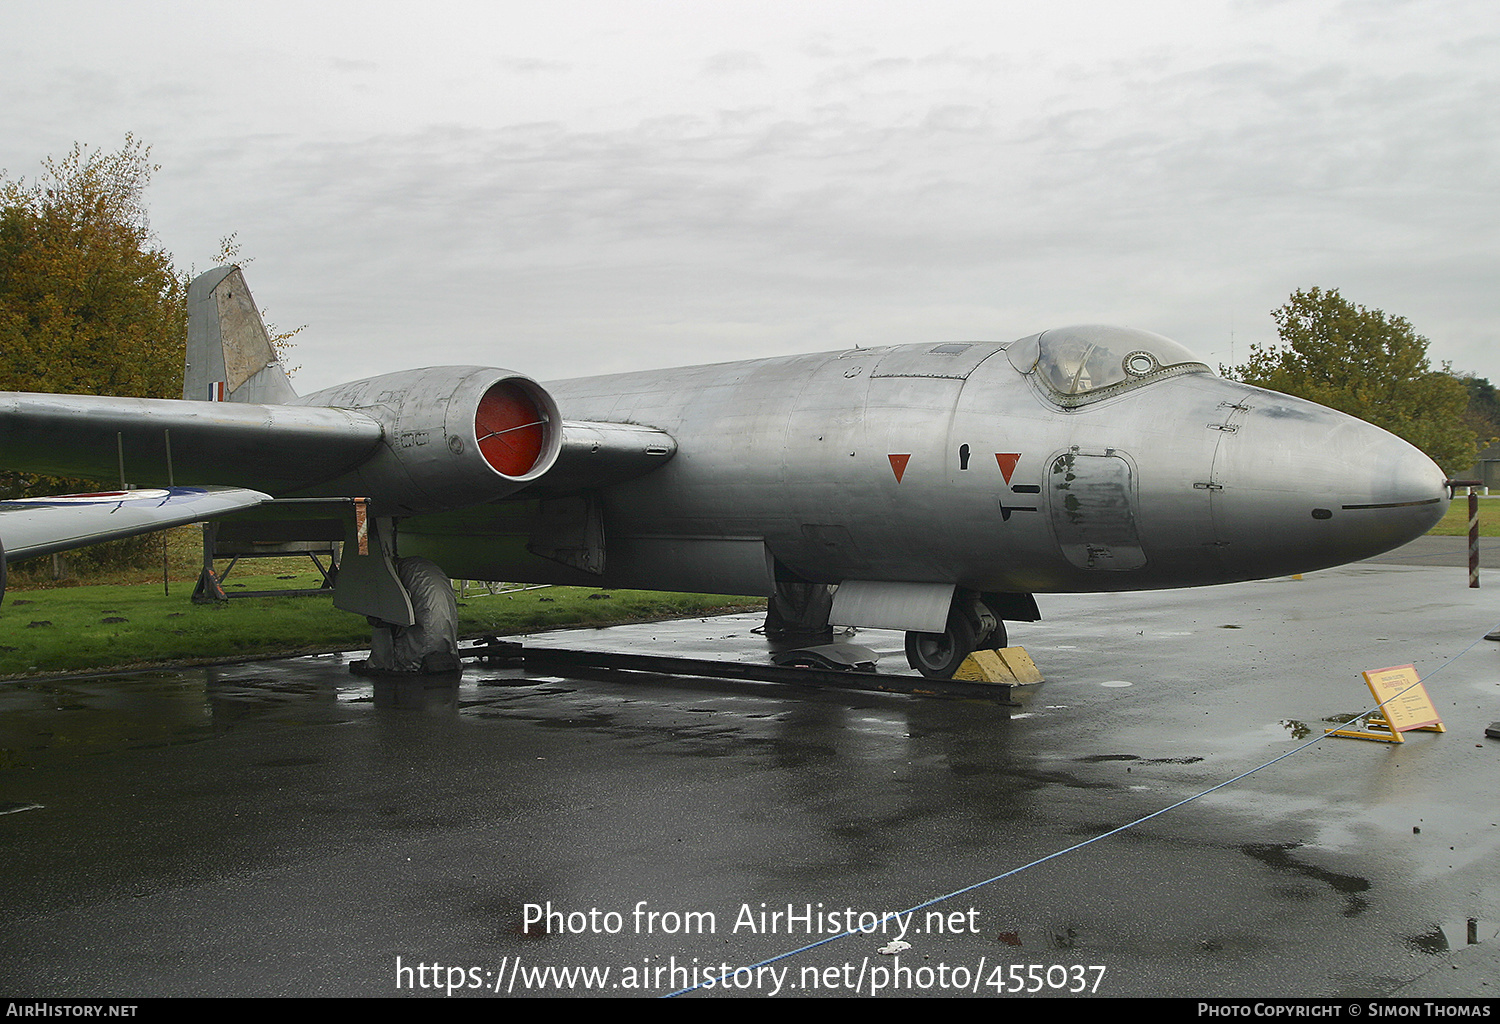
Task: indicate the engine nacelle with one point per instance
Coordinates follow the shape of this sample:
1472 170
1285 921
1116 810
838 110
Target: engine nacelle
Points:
454 436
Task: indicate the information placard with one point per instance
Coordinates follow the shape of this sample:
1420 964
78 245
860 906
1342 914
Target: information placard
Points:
1403 706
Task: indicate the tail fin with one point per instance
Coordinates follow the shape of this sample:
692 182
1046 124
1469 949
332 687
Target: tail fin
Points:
229 353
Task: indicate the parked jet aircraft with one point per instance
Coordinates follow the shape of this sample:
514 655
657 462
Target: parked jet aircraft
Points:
939 486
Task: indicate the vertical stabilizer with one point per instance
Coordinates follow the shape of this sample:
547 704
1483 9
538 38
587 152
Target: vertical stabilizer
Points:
229 354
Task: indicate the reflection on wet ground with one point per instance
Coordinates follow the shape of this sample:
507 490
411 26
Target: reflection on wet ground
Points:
288 828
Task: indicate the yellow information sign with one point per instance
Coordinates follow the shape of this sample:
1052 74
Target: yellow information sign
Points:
1403 706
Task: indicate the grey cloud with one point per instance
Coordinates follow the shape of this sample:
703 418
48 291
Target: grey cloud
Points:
880 195
733 62
532 65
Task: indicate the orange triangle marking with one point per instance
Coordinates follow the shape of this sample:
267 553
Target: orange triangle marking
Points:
898 465
1007 462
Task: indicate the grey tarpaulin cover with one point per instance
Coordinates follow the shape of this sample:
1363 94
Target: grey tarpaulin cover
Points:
434 638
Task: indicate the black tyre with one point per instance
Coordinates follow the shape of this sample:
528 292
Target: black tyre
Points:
938 655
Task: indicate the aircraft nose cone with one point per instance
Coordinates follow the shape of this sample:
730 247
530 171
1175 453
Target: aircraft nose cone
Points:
1305 487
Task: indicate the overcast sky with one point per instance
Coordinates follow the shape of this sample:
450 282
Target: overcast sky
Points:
584 186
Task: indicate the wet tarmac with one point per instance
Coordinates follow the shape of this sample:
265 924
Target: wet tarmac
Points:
286 828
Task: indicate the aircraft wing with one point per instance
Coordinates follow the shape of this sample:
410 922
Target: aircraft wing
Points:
309 449
40 526
275 447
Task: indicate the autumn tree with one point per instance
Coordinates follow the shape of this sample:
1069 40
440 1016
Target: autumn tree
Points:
89 302
1365 363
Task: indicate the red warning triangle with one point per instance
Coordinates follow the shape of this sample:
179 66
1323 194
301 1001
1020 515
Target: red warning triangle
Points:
1007 462
898 465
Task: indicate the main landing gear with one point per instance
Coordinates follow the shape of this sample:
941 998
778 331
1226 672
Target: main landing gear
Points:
430 645
972 626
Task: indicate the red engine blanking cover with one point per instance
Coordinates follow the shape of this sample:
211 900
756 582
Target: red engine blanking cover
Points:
511 429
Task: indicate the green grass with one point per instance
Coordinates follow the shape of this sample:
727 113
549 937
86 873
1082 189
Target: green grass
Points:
1455 523
109 626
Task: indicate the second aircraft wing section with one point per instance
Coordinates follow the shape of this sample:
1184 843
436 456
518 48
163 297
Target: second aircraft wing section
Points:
40 526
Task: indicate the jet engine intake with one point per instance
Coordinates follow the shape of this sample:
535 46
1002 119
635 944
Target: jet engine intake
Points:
452 437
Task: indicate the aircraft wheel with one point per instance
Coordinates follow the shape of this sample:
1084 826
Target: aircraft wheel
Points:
938 655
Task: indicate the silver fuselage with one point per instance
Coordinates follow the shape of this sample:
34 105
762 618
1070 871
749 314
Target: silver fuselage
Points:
911 464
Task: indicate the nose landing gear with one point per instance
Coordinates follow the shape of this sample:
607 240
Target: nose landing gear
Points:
972 625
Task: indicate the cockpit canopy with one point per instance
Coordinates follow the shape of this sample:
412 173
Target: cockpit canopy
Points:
1088 362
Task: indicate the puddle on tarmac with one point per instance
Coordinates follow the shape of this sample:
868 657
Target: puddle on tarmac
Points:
1451 935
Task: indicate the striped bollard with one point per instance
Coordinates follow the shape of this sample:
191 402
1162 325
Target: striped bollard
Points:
1473 538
